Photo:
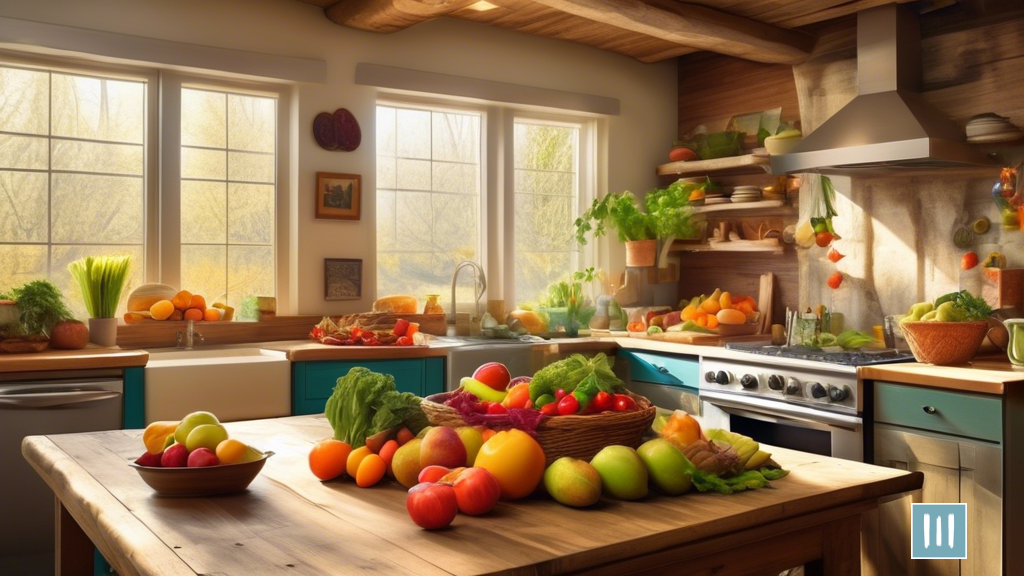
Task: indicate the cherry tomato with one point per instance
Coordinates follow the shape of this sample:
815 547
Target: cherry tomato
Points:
969 260
496 408
835 280
559 394
624 403
549 409
823 239
568 405
355 332
603 401
403 341
401 327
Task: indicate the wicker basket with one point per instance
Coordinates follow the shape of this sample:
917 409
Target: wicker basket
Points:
580 436
944 343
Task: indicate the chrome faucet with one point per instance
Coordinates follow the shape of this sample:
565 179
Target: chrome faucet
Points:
480 282
186 338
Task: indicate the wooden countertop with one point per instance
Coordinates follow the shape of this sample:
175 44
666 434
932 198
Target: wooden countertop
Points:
89 358
311 351
289 522
986 375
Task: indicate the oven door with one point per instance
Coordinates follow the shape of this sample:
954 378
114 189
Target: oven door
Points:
786 425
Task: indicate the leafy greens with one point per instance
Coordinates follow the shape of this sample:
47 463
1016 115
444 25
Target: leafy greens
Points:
364 403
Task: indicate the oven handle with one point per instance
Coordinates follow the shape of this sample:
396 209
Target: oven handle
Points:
758 409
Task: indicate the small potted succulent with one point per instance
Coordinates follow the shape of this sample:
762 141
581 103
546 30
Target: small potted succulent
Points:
101 280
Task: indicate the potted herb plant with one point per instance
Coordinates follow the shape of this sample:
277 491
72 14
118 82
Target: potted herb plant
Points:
101 280
566 304
666 215
39 308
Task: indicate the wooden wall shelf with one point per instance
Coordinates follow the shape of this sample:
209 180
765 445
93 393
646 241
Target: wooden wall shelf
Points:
732 165
730 246
742 209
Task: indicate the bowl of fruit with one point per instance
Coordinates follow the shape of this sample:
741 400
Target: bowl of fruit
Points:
195 457
948 331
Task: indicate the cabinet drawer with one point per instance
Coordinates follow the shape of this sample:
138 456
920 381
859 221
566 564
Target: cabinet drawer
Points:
313 382
968 415
664 369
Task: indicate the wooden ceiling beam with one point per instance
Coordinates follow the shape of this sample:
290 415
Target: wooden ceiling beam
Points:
390 15
696 26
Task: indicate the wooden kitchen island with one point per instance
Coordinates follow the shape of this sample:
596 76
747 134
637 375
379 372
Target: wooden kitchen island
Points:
290 523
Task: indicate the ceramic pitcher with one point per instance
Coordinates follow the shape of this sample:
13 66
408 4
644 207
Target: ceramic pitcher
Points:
1015 349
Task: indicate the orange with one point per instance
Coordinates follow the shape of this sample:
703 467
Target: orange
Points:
515 459
712 322
355 458
371 470
689 313
193 314
744 307
702 321
725 300
197 301
328 458
230 451
181 299
710 306
176 316
518 396
162 310
487 434
211 314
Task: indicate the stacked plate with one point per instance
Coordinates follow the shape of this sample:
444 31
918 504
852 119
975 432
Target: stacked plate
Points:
992 128
716 197
746 194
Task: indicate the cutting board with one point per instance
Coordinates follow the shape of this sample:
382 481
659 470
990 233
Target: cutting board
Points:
694 338
429 323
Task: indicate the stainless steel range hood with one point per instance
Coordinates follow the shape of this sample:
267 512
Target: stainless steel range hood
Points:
887 126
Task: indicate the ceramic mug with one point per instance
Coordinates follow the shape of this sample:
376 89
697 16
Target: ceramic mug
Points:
1015 350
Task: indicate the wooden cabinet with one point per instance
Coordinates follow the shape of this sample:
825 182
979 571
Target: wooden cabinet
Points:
955 469
313 382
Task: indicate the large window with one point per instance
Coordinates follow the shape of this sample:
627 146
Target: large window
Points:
228 194
72 173
428 198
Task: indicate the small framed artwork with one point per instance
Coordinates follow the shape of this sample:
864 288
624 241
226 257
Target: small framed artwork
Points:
338 196
343 279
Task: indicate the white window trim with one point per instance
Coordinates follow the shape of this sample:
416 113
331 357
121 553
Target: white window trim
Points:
171 84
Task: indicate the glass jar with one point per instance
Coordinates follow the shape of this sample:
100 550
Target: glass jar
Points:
433 305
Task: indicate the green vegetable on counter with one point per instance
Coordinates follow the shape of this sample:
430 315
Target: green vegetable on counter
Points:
101 280
959 306
748 480
41 306
364 403
569 373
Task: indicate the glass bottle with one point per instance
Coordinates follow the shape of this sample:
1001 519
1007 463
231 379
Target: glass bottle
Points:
433 305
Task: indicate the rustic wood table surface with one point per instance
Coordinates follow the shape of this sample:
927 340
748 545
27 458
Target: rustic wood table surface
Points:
290 523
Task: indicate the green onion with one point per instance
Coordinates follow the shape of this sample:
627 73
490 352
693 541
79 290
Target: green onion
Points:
101 280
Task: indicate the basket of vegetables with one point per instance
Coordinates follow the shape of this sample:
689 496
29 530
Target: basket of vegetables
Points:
948 331
573 407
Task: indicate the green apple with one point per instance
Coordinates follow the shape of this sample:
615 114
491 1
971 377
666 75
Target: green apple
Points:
668 468
473 440
573 482
191 421
206 436
622 472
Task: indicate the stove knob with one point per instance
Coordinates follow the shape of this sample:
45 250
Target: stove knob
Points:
837 393
793 387
775 382
817 390
749 381
709 377
723 377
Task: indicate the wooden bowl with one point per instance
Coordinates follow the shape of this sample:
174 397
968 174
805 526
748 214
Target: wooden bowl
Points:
944 343
204 481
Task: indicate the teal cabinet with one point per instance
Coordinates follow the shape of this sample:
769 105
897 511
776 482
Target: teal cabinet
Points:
313 382
958 413
665 369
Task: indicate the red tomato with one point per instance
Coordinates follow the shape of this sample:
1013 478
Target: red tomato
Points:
496 408
559 394
624 403
835 280
823 239
494 374
568 405
432 506
355 332
403 341
401 327
476 491
603 401
549 409
969 260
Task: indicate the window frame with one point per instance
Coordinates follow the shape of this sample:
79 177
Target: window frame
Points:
171 84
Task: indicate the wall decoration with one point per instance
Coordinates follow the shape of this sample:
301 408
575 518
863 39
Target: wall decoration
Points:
343 279
338 196
337 131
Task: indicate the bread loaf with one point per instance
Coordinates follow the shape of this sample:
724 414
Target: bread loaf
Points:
403 304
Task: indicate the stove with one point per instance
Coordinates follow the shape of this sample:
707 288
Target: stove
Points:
843 357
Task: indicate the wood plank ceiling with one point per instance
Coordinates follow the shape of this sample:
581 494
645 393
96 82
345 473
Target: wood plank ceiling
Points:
648 30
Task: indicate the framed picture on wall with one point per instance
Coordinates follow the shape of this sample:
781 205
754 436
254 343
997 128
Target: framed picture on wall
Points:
338 196
343 279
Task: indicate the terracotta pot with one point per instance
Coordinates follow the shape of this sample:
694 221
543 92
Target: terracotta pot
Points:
103 332
641 253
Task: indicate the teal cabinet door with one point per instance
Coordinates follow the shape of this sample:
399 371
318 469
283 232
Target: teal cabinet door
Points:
665 369
313 382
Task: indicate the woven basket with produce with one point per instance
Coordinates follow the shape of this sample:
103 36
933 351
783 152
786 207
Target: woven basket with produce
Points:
948 331
574 407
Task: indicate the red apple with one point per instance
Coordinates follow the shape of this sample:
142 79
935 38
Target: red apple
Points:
432 474
476 491
69 335
494 374
176 456
432 506
202 457
151 460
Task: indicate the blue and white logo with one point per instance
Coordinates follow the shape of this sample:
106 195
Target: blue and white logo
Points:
938 531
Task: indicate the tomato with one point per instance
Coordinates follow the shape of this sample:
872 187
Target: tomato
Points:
494 375
549 409
403 341
401 327
603 401
432 506
477 491
355 332
823 239
624 403
969 260
496 408
559 394
568 405
413 328
835 280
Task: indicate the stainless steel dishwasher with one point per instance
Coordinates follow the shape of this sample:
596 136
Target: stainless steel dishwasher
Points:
33 407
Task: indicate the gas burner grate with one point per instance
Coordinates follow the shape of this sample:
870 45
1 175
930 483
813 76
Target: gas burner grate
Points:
842 357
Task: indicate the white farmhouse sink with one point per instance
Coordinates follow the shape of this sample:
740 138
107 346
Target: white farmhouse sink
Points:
235 383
